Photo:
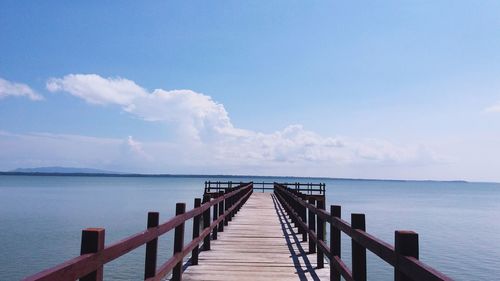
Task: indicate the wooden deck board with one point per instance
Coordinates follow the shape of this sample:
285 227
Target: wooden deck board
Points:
260 243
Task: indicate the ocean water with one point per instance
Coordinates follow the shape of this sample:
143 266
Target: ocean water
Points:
41 219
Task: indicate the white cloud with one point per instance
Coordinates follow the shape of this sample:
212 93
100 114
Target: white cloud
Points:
493 109
134 148
8 88
195 114
287 152
207 139
46 149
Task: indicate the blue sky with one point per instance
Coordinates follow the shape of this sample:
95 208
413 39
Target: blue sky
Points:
378 89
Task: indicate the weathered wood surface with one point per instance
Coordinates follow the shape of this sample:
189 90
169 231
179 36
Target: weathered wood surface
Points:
259 244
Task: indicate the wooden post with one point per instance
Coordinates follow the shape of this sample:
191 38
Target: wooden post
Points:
293 206
321 235
196 232
358 251
303 216
215 214
296 209
406 244
226 207
206 223
312 226
151 247
235 202
221 211
335 212
231 203
180 208
92 242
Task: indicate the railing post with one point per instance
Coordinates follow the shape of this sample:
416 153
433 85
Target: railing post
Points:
358 251
92 242
151 247
226 207
303 216
215 214
231 202
335 212
206 223
406 244
236 198
297 208
196 232
312 226
292 203
221 211
321 235
180 208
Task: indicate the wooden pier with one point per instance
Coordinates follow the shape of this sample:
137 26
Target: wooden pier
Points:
240 234
259 244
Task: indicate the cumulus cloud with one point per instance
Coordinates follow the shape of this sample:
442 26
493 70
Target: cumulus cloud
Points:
195 114
272 154
8 88
206 133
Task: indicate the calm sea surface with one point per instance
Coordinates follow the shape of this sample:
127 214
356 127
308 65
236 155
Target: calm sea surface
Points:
41 220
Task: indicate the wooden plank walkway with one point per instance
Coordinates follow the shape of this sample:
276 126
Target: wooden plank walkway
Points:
260 243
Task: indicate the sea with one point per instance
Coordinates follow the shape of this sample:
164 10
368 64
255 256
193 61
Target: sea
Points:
41 218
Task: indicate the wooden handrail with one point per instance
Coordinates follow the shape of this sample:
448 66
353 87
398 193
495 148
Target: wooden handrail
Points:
336 262
168 265
409 266
87 263
313 189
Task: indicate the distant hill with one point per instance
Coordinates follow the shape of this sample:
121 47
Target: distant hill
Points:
62 170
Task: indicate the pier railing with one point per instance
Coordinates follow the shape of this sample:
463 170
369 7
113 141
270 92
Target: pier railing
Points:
94 254
310 218
311 189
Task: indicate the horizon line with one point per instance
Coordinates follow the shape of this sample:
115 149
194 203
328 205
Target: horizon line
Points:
117 174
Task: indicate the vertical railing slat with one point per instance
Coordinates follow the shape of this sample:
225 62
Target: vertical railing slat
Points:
303 215
312 226
206 223
321 235
226 207
335 212
405 244
215 215
221 212
358 251
180 208
151 247
196 233
93 242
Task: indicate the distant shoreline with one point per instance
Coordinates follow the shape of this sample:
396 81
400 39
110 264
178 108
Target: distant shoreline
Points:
134 175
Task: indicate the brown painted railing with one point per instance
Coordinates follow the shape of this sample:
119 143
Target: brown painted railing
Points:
94 255
310 218
214 187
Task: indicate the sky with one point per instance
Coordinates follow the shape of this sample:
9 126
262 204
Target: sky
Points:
358 89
